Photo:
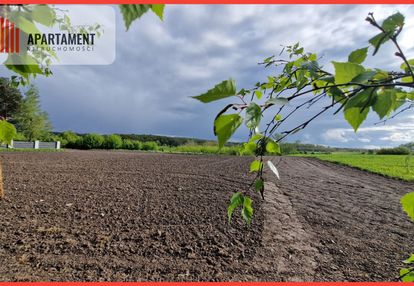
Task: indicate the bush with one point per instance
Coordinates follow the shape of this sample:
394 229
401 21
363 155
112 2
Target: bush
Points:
69 139
288 148
128 144
394 151
205 149
112 142
91 141
233 150
150 146
137 145
131 145
20 137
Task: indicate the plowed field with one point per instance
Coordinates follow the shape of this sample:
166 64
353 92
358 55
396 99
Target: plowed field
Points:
128 216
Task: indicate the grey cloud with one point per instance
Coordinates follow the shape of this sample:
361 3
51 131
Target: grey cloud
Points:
159 65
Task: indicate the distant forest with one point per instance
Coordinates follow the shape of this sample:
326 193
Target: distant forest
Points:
286 147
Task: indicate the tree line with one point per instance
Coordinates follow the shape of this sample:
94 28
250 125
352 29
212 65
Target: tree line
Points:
24 111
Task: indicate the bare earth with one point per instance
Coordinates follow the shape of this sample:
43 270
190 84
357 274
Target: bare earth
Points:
127 216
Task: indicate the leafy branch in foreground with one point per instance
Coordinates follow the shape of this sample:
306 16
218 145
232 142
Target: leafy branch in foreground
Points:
132 12
300 82
407 273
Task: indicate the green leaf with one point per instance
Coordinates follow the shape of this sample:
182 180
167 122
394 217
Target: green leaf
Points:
256 137
277 101
407 202
31 67
236 200
345 72
385 102
253 115
336 93
250 147
357 108
44 15
327 79
278 117
131 12
312 67
404 66
299 51
272 147
313 57
25 24
259 185
258 94
7 132
158 9
225 126
378 40
406 275
365 98
222 90
243 92
407 79
410 95
409 260
358 56
393 22
355 116
381 75
364 77
247 211
256 166
273 169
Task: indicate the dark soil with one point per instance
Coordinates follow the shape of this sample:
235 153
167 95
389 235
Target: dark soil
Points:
128 216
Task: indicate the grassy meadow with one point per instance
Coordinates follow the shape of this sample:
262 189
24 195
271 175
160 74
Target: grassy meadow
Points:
397 166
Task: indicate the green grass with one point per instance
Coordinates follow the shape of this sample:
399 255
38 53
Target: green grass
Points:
388 165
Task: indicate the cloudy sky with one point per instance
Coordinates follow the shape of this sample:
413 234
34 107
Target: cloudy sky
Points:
159 65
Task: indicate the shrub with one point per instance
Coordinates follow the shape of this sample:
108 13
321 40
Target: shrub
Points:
233 150
91 141
19 137
128 144
288 148
48 137
131 145
150 146
394 151
137 145
112 142
69 139
205 149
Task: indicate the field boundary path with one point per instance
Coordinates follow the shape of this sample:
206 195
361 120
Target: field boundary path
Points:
287 247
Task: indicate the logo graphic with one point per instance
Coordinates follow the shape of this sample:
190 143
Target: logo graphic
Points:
79 35
9 37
